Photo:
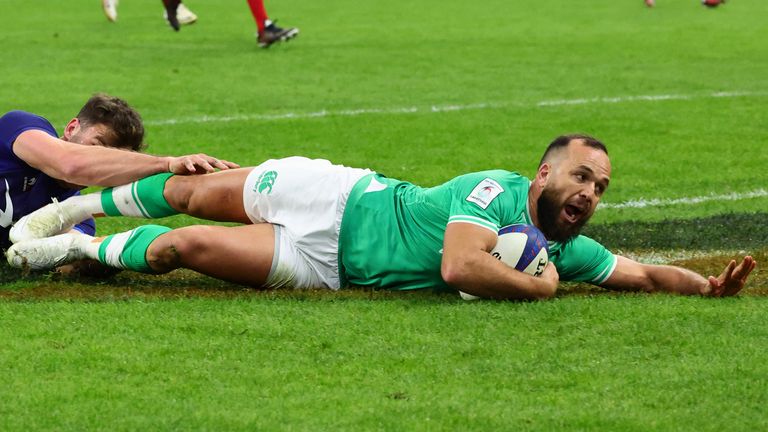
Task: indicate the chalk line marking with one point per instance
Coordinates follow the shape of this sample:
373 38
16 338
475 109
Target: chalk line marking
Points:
447 108
670 255
659 202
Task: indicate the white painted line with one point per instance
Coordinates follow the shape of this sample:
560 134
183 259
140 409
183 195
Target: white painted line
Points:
672 255
657 202
649 98
447 108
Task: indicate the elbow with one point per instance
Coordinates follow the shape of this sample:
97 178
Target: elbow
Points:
456 273
74 171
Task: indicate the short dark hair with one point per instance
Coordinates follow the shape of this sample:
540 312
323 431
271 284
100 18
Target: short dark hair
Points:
563 140
116 114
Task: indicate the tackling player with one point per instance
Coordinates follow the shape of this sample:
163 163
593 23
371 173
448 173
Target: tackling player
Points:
309 223
37 166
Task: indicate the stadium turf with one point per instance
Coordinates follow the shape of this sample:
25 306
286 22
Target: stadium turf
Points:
421 91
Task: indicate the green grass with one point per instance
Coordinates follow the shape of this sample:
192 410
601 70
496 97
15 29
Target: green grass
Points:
186 352
397 361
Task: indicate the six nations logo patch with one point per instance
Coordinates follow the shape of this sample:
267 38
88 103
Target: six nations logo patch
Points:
485 192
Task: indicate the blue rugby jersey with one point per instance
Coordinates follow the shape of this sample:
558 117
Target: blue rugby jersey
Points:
24 189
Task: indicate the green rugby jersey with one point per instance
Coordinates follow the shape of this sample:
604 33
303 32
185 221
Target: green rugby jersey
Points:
392 231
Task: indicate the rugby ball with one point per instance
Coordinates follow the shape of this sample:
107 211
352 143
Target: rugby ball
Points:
521 246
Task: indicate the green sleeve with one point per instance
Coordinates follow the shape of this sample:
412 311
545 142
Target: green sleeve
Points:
584 260
476 198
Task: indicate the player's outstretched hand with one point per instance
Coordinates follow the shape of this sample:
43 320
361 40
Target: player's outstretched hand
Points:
198 164
731 280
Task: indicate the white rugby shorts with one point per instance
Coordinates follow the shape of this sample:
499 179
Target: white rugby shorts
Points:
304 200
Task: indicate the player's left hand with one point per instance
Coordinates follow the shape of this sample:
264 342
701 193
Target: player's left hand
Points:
731 280
198 164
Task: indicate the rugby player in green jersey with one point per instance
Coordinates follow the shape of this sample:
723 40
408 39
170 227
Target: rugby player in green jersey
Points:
308 223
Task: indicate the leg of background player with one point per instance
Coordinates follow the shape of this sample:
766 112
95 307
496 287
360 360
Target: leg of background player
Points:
269 33
259 13
170 12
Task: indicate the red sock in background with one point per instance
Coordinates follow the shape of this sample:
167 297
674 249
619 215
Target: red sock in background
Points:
259 13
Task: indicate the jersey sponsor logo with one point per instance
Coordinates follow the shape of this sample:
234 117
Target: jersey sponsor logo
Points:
6 216
265 182
28 183
485 192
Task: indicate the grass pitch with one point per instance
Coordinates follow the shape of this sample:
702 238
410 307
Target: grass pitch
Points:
422 92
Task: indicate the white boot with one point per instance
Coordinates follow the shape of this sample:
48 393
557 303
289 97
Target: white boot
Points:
55 218
48 253
110 9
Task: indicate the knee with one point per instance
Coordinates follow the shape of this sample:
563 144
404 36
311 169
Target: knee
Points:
178 192
176 248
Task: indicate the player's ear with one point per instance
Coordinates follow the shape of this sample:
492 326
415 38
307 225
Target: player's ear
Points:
71 128
542 175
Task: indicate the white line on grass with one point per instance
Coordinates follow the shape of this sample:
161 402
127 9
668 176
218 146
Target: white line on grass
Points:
672 255
449 108
658 202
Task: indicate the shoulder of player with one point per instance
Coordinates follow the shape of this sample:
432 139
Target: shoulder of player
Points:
502 177
19 116
14 123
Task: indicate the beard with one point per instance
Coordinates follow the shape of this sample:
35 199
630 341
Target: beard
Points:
548 210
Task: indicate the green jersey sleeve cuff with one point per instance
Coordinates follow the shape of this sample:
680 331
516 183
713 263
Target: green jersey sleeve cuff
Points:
475 221
607 271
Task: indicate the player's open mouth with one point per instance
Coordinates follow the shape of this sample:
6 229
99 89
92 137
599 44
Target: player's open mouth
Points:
572 213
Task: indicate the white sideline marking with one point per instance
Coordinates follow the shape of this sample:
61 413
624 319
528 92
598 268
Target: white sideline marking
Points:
448 108
658 202
650 98
668 256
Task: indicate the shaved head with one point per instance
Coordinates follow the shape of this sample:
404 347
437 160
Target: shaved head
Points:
560 143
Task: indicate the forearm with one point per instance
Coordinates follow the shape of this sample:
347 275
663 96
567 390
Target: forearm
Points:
633 276
100 166
85 165
676 280
484 276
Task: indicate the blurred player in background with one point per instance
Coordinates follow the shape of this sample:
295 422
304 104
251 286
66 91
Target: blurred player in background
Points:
707 3
268 32
177 14
311 224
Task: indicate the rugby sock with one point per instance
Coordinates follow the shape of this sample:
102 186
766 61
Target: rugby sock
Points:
127 250
143 198
259 13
